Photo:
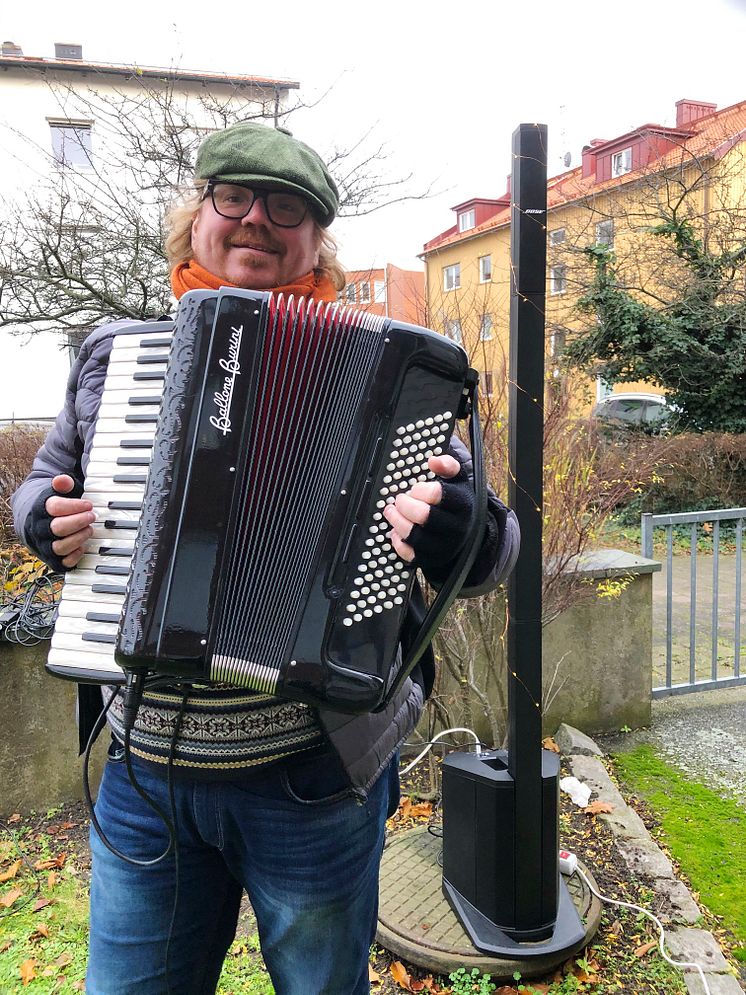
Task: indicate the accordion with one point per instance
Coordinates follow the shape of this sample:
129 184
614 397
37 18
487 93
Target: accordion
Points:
241 461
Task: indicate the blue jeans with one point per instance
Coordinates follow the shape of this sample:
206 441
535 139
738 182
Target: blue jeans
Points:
293 835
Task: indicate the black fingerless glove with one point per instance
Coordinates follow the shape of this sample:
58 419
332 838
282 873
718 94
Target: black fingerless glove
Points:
438 541
38 532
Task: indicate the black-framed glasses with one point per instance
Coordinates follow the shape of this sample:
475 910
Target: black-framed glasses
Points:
234 200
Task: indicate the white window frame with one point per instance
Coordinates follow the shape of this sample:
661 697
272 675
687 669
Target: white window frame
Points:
558 280
467 219
621 162
364 292
452 330
452 277
605 233
556 237
486 326
379 291
66 135
485 268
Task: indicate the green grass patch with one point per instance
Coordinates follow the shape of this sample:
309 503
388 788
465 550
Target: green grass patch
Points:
705 833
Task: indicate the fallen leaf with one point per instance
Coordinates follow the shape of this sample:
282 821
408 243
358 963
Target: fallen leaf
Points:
373 977
41 930
79 986
47 865
52 879
64 959
645 948
549 744
400 975
5 946
9 897
416 986
16 817
11 871
28 971
598 807
41 903
69 825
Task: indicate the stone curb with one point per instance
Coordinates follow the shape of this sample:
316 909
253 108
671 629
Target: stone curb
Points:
676 908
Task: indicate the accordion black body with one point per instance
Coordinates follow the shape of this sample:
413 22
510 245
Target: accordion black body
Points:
262 557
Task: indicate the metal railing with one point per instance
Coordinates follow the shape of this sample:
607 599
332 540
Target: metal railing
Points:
690 680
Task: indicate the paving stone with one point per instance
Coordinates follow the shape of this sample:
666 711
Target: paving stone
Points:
646 859
719 984
696 946
678 905
574 742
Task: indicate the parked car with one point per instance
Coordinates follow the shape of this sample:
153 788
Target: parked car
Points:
650 411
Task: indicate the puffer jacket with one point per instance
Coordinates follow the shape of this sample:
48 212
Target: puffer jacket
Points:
365 743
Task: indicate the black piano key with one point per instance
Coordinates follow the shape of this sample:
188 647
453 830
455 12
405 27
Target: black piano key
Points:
101 617
115 570
148 375
148 399
116 550
129 478
135 443
154 358
133 461
141 419
120 523
108 589
125 505
98 637
156 344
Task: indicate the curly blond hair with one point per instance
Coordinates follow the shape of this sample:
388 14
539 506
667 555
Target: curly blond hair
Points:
178 244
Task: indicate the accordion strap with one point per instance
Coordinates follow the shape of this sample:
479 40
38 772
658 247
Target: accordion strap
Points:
450 589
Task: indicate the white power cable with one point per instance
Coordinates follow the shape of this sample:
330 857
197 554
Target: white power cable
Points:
478 747
645 912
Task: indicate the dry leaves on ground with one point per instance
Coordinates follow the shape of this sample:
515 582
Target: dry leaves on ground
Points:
598 808
411 984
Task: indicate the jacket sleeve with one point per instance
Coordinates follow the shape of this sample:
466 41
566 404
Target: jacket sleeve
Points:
500 544
62 450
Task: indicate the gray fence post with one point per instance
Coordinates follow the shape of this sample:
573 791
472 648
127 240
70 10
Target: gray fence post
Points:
646 536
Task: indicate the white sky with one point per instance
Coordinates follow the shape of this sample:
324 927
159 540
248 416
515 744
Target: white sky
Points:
444 84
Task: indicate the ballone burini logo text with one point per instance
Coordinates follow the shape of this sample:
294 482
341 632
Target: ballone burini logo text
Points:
223 398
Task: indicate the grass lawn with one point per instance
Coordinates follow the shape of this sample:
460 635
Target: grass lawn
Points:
706 834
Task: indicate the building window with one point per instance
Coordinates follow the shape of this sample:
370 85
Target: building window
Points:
485 327
558 279
621 162
452 329
364 292
556 237
467 220
350 293
71 144
487 383
605 233
485 269
556 343
452 277
379 291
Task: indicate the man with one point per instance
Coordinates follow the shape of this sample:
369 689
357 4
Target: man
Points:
286 801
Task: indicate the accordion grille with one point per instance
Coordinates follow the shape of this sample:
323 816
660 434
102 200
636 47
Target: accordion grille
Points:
313 372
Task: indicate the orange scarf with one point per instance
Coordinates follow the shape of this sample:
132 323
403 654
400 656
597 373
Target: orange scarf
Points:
192 276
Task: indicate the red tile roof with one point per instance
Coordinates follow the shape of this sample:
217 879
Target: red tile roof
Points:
713 135
151 72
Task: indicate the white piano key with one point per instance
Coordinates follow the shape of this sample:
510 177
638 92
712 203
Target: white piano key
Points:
73 641
119 411
87 578
110 454
70 625
128 367
90 562
123 343
79 609
83 592
105 482
97 468
101 532
102 498
118 427
83 662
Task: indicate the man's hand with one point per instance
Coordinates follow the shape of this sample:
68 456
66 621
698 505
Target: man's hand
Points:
413 507
71 521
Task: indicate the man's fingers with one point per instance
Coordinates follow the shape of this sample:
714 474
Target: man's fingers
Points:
395 518
63 483
402 548
73 558
67 525
71 543
62 507
444 466
430 492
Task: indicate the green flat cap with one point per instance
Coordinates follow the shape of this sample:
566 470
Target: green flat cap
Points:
271 158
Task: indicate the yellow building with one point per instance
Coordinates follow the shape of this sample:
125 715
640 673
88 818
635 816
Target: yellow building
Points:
622 187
